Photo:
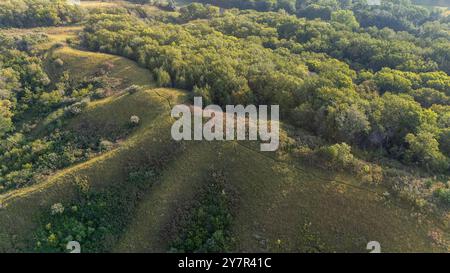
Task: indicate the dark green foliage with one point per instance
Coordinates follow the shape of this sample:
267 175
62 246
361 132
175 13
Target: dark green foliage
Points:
36 13
88 221
365 88
444 195
198 11
208 227
260 5
94 219
310 240
399 15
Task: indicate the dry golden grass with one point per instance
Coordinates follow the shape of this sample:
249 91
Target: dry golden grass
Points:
80 64
100 4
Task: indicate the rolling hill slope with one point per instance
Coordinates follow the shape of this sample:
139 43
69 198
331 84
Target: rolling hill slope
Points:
276 205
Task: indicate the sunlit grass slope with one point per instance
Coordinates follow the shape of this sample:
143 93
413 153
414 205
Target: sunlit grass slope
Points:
278 207
79 64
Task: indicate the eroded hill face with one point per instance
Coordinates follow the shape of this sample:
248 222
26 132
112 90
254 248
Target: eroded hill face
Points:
143 192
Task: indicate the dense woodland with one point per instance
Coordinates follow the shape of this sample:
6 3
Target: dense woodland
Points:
35 13
378 89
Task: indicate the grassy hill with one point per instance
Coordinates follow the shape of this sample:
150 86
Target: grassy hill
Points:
275 205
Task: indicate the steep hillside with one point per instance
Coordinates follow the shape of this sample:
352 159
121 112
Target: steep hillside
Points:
275 206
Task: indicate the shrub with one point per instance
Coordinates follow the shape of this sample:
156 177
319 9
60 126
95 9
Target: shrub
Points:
58 45
142 177
443 194
100 93
163 78
134 120
85 223
133 89
198 11
58 62
77 108
337 155
74 109
424 149
57 208
207 228
6 123
107 66
105 145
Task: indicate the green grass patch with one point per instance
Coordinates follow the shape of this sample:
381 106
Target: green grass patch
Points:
81 64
